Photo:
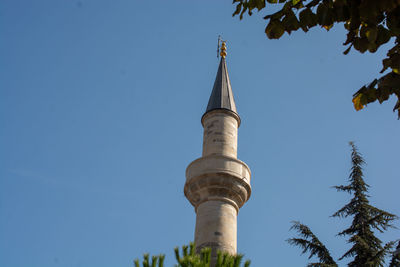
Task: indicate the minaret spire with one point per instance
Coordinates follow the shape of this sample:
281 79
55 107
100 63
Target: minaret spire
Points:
218 184
222 95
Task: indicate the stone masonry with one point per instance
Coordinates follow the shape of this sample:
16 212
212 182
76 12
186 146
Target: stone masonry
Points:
218 184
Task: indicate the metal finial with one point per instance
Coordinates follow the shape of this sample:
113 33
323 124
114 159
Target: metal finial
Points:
223 49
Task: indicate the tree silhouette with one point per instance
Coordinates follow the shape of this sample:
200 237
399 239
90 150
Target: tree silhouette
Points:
367 249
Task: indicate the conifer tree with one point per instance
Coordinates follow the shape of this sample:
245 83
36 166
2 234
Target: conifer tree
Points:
395 262
190 258
367 249
310 243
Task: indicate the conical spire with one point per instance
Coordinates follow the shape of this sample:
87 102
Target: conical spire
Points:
221 95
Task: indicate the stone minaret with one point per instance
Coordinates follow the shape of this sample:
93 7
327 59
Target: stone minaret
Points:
218 184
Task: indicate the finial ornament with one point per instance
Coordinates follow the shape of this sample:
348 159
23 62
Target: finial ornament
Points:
221 46
223 49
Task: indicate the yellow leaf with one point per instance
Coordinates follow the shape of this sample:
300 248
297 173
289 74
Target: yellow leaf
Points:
357 102
397 71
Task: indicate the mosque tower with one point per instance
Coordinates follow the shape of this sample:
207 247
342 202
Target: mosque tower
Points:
218 184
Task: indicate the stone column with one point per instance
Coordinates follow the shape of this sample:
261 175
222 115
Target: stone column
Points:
218 184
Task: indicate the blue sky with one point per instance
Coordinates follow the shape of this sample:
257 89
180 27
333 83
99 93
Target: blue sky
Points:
100 107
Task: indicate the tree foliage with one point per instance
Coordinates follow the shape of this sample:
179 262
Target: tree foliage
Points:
369 25
310 243
189 258
395 262
367 249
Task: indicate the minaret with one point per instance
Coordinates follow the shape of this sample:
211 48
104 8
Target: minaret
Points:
218 184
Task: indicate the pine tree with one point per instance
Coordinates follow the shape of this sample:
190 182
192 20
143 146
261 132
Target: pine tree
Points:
367 249
190 258
156 261
395 262
310 243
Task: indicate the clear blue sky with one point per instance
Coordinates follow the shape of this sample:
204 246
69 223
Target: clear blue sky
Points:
100 107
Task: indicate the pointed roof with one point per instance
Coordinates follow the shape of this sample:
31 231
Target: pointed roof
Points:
221 95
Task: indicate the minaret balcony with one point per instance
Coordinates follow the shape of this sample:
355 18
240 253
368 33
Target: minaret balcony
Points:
217 177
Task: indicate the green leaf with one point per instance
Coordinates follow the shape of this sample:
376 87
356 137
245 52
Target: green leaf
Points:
391 81
393 23
260 4
371 34
369 23
275 29
372 47
307 19
290 22
341 11
383 35
325 17
395 61
361 44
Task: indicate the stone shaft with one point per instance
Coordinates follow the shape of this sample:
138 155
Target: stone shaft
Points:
220 133
216 226
218 184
